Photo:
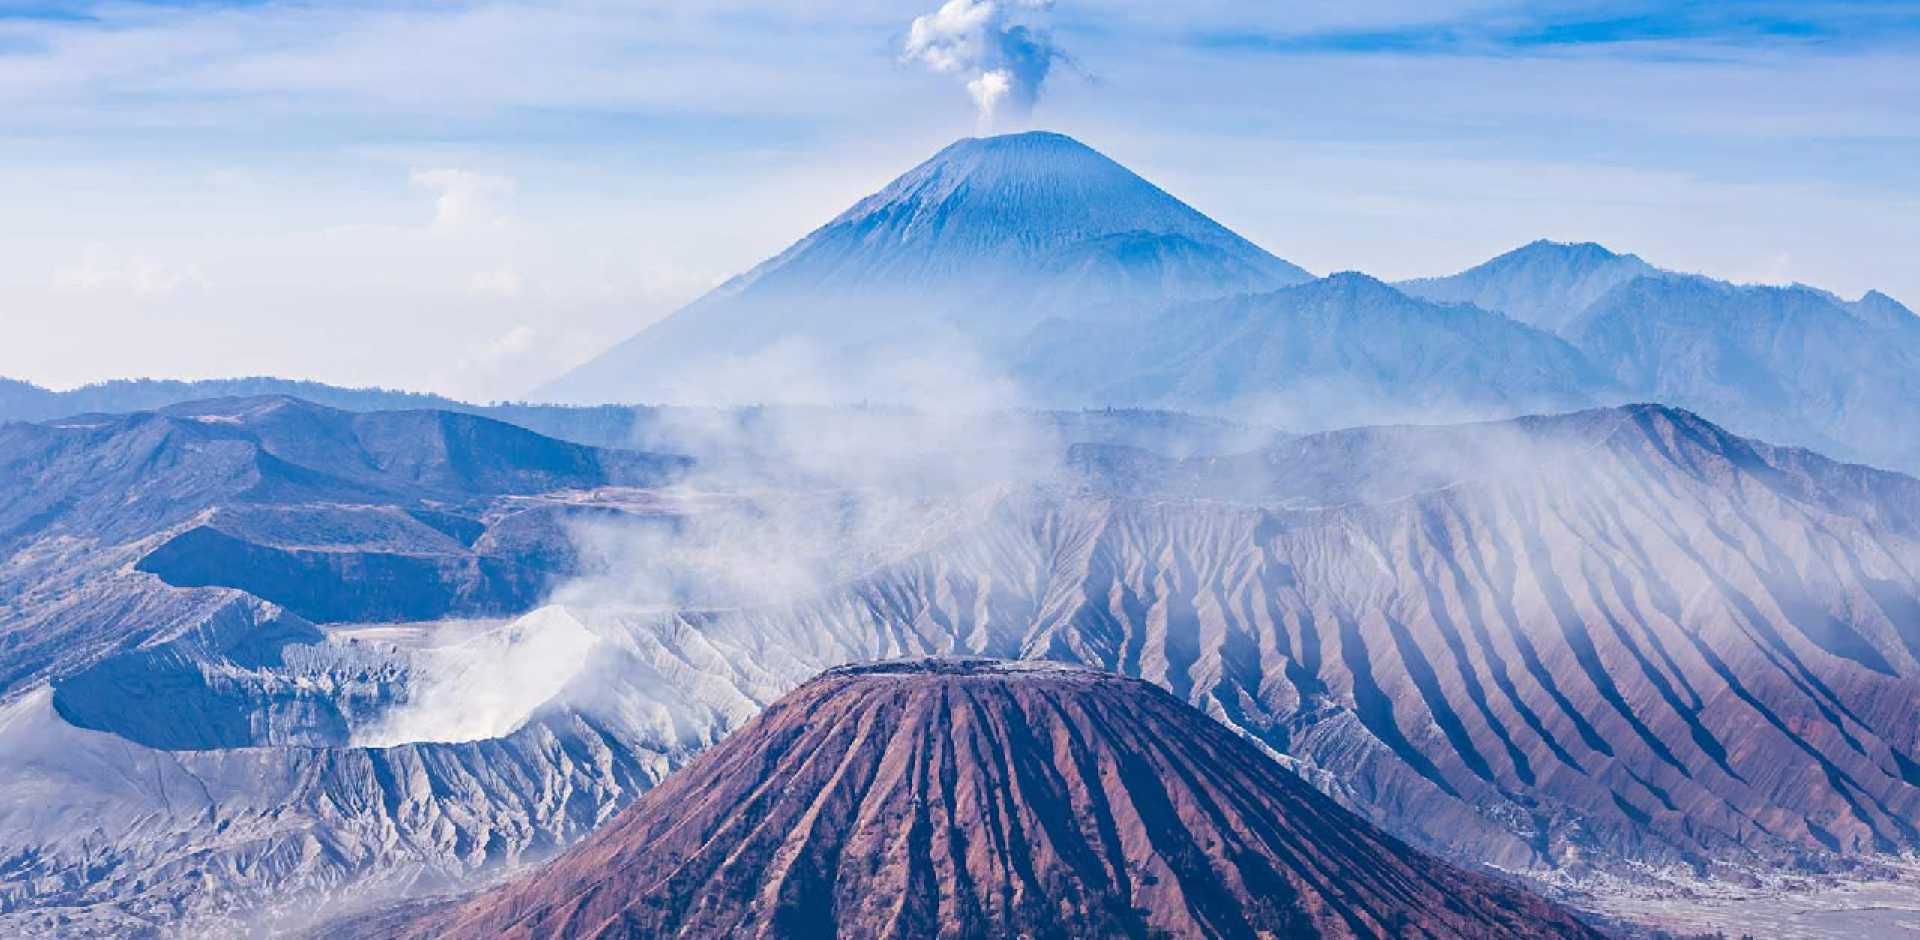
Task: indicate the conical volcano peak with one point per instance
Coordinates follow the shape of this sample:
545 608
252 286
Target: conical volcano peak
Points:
979 245
1030 144
1025 157
1031 192
961 797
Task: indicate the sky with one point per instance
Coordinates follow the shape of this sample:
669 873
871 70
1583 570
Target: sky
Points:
470 197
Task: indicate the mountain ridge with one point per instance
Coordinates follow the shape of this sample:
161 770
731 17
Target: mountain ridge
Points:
1543 283
1338 351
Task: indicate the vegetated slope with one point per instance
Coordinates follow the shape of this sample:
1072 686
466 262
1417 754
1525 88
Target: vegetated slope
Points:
945 797
969 250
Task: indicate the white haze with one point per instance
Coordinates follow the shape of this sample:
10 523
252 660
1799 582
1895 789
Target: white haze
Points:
784 503
485 685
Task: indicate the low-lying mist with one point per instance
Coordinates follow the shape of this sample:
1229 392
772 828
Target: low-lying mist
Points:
787 502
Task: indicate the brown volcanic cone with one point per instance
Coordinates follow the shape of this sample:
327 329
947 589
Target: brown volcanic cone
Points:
972 798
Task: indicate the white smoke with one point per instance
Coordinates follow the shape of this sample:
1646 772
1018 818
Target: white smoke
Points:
1000 47
486 684
988 90
784 506
463 199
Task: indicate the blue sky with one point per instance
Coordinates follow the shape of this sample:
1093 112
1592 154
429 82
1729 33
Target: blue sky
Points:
472 196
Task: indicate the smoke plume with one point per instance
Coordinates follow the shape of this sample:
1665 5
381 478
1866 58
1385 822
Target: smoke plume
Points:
999 47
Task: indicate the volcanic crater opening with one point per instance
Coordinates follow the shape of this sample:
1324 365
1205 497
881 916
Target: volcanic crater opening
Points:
295 685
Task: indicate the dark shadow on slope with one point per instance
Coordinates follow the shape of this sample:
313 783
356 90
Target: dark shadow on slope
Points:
1375 709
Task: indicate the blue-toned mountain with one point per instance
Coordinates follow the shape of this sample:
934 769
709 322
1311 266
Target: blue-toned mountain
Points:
974 247
1339 351
1793 364
1543 284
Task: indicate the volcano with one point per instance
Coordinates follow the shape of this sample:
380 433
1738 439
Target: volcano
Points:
970 250
976 798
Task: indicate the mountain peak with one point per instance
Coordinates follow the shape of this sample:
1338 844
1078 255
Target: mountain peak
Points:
1883 311
1539 247
1545 284
1029 141
1577 259
1035 148
1026 193
1355 279
1353 285
980 244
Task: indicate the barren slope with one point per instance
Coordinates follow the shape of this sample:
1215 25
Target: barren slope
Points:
1619 638
974 798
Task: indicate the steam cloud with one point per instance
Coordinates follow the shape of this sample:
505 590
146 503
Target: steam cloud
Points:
999 46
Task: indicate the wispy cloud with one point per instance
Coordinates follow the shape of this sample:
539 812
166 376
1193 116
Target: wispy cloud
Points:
465 199
1631 28
108 270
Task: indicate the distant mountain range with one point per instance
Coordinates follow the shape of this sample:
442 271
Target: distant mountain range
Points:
24 401
975 798
708 433
1793 364
1335 352
1545 284
1031 271
1034 262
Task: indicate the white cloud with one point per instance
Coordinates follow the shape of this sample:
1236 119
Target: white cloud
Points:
514 342
502 282
952 38
104 269
988 90
466 200
515 360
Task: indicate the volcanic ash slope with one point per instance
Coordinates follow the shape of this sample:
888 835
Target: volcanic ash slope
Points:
942 797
